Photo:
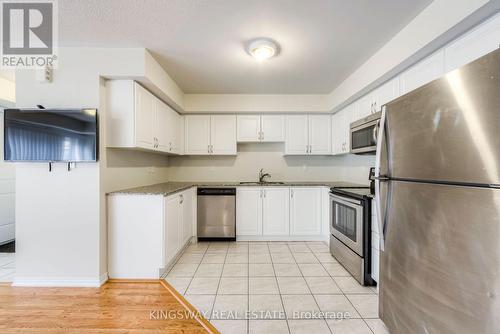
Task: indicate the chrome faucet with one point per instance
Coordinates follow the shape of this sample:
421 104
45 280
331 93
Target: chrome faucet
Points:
263 175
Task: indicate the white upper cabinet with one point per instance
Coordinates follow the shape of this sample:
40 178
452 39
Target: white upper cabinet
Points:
248 211
248 128
144 117
474 44
173 140
135 118
272 128
341 126
164 125
261 128
276 211
386 93
365 106
308 134
197 133
223 134
296 135
423 72
320 134
305 211
209 135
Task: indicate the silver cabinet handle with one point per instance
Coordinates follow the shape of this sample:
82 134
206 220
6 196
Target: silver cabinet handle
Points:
264 192
211 148
371 108
291 193
181 197
208 148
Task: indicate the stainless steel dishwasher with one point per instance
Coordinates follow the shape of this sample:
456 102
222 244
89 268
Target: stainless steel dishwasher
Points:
216 213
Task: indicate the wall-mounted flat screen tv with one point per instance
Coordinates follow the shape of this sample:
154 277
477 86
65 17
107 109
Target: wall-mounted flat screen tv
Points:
50 135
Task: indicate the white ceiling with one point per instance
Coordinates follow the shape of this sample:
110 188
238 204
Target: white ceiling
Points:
200 43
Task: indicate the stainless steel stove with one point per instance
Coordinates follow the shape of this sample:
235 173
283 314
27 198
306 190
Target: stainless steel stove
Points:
350 231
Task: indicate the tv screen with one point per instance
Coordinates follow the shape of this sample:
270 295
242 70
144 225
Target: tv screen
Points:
68 135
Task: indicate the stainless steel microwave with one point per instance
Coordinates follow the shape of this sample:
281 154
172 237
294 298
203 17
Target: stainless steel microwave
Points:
363 135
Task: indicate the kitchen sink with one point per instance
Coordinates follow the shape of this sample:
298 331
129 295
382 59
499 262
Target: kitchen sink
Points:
262 183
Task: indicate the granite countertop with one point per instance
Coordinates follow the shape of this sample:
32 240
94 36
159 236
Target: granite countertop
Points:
169 188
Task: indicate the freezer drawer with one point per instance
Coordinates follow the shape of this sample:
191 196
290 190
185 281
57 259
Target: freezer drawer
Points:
447 130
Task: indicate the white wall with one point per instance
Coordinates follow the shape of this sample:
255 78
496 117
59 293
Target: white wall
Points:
253 156
60 216
7 195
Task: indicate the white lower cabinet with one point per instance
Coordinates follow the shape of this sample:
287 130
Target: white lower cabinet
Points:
188 202
248 211
173 227
305 211
279 213
275 211
147 232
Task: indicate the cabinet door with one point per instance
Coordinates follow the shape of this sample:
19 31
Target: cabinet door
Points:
177 133
386 93
187 201
223 134
172 224
197 134
320 132
296 135
163 126
273 128
305 211
248 128
423 72
144 117
341 122
474 44
364 106
336 141
249 211
276 211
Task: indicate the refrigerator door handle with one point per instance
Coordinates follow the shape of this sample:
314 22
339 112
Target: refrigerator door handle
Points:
380 178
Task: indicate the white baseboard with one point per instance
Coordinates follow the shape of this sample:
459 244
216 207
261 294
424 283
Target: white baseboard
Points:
103 278
58 282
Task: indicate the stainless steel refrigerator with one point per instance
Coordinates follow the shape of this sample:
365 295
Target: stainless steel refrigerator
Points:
438 200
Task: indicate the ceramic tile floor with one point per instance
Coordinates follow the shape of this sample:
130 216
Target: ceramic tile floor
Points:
7 266
275 287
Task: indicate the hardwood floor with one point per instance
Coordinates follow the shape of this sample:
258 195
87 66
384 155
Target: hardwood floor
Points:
116 307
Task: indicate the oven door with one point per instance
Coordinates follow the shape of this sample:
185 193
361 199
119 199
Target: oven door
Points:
364 137
346 222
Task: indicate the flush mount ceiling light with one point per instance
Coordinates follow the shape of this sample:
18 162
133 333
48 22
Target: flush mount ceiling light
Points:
262 49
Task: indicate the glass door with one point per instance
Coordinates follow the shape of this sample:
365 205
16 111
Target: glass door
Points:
347 222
